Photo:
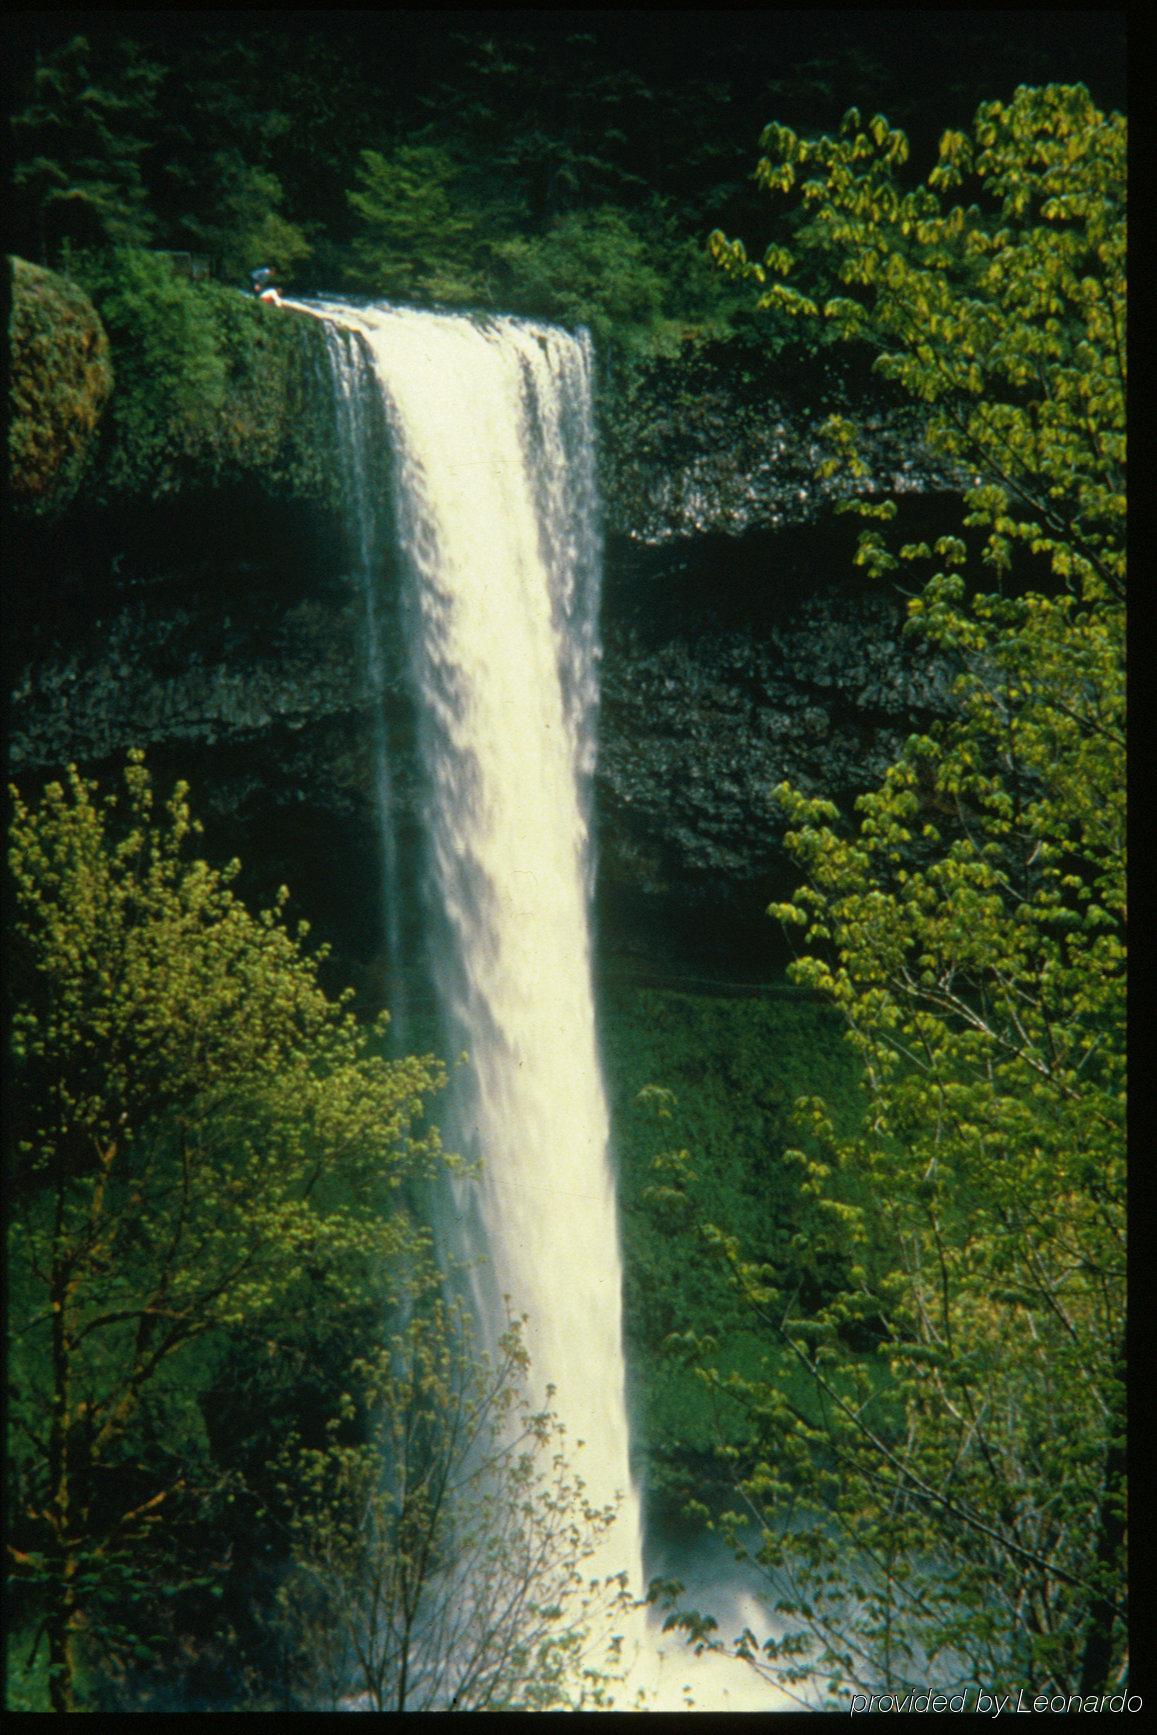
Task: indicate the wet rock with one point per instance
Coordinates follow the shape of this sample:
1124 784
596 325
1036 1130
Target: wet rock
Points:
697 732
717 444
226 636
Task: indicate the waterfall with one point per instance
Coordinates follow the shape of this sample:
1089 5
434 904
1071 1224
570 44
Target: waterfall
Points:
361 435
494 511
494 517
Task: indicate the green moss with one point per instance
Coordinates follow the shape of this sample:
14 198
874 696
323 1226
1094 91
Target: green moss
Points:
736 1067
213 387
61 379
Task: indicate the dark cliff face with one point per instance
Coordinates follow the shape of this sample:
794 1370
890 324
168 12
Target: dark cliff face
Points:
732 665
742 648
223 632
720 442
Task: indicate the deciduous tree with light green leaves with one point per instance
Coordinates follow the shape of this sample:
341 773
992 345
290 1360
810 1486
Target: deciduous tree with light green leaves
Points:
200 1134
934 1468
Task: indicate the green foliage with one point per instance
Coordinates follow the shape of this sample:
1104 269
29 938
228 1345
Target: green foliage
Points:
81 139
440 1541
726 1122
61 377
559 132
209 382
1006 316
418 239
589 267
244 144
950 1506
171 370
201 1136
523 190
596 268
246 225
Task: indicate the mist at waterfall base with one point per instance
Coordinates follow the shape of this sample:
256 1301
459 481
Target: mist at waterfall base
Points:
468 448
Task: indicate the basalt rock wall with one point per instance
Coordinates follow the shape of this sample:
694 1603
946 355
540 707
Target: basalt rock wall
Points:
220 629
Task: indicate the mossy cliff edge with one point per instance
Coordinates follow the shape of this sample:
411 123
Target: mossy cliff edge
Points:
133 384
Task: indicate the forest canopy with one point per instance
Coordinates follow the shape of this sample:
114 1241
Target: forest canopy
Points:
569 164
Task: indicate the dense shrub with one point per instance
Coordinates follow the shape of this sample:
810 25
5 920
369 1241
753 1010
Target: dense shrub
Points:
61 378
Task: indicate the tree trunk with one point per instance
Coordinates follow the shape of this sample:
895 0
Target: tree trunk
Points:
61 1618
61 1636
1097 1661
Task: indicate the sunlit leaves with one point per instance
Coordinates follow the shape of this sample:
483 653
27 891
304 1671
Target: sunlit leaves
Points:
201 1135
1005 314
948 1502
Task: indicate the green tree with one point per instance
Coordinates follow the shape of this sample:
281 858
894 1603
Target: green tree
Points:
225 137
440 1541
171 370
590 267
81 141
201 1136
418 236
171 361
556 133
247 225
209 383
935 1456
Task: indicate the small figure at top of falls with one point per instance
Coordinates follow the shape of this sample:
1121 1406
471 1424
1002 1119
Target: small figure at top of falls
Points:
263 286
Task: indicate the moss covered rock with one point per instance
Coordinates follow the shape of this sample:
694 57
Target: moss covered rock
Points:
61 380
213 388
143 385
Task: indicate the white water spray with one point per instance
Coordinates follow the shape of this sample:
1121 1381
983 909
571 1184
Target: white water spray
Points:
495 514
